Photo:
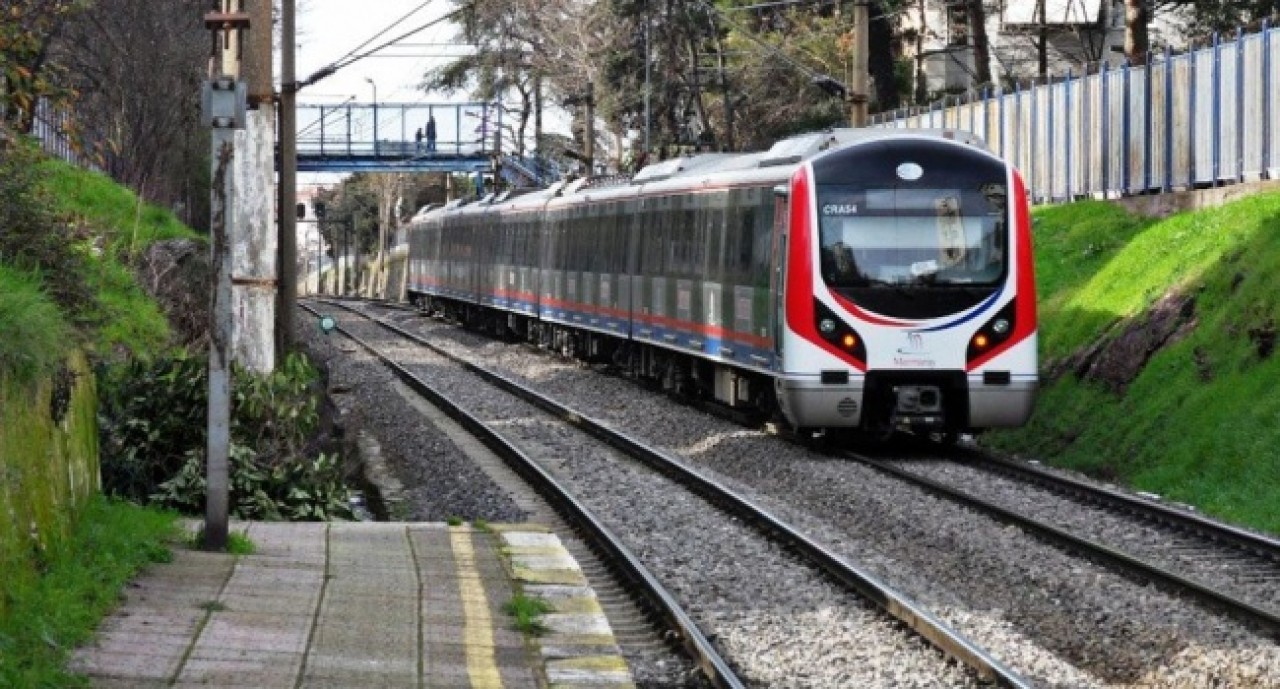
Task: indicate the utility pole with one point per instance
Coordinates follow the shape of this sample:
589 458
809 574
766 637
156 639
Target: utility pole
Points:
224 108
589 130
858 97
286 291
647 87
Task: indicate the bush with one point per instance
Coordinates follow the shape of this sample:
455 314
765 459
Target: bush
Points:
154 435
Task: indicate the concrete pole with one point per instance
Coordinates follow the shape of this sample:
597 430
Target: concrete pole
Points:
858 96
286 295
254 245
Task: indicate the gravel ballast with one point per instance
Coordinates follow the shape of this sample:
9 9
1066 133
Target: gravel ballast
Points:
1055 618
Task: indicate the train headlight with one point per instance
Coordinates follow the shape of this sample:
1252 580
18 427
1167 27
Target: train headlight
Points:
995 332
837 333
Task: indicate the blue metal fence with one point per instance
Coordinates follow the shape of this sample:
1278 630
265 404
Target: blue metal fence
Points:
1198 119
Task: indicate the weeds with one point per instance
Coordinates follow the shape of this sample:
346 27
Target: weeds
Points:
526 612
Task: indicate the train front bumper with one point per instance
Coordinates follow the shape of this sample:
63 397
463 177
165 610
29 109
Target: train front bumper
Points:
950 400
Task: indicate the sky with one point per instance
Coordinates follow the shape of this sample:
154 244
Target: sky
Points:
329 30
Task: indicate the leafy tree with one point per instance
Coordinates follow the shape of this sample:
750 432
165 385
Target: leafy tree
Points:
507 35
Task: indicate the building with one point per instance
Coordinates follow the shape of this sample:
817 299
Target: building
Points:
1028 39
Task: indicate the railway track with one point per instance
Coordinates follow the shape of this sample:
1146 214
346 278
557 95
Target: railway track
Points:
771 540
1227 568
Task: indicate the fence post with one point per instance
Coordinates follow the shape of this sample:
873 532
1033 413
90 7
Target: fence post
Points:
1266 97
1048 137
1147 111
1017 121
1239 104
1191 121
1086 133
1104 142
1067 116
1216 139
1168 119
1126 126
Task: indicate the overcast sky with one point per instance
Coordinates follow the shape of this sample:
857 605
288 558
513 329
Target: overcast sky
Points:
328 30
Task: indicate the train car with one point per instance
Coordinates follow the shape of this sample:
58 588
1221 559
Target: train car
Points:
870 280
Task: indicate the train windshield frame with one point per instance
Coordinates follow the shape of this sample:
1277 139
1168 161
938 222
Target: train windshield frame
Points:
896 222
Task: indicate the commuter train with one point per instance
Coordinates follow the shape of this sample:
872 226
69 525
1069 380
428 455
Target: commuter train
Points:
852 279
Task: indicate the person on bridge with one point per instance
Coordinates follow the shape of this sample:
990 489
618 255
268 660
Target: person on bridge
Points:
431 133
417 139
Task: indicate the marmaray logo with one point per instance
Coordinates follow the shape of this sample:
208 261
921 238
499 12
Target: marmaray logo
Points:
915 344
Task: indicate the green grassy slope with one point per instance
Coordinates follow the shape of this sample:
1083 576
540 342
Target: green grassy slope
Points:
1201 423
123 226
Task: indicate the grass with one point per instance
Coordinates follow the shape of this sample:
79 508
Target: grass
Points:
124 226
526 612
35 337
56 604
237 542
1200 423
130 225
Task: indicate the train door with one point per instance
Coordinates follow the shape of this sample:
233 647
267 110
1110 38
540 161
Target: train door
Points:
777 275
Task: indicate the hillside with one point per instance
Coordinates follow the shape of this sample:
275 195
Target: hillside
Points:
1157 346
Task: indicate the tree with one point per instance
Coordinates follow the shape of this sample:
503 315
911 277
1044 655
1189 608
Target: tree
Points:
1199 19
1137 41
138 65
977 15
29 70
506 36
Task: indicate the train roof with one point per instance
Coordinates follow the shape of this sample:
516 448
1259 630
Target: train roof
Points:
785 154
703 170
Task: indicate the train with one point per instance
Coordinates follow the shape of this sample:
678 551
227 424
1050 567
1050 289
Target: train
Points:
859 281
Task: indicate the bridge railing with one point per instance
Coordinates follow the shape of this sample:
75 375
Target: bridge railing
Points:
398 130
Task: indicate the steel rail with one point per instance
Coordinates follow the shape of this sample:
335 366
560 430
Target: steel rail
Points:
1261 544
695 643
1100 552
896 604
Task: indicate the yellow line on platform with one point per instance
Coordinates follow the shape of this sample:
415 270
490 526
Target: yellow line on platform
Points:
478 625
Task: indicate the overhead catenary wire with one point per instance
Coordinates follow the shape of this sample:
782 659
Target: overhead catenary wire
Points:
353 57
389 27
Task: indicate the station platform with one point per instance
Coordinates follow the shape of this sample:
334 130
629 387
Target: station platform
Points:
358 604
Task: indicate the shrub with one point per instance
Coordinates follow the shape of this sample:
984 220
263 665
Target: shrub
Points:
154 436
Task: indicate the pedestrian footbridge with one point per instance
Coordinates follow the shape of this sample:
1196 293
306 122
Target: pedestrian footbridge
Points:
395 137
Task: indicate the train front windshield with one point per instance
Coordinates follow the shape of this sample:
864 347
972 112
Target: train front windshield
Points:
911 237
